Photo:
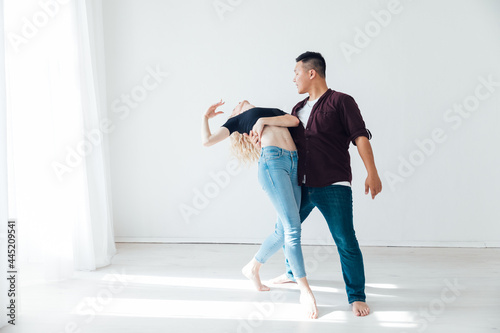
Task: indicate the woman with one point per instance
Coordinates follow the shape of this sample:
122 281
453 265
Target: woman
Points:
278 177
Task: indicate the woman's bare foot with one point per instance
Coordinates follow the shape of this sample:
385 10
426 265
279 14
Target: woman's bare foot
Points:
281 279
360 309
251 271
309 303
307 298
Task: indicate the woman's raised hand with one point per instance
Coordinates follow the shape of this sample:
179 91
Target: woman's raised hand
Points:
211 110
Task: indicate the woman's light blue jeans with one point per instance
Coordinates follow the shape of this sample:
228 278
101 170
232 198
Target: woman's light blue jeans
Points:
278 177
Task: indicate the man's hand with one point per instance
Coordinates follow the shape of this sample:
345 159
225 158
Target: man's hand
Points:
258 128
211 110
373 184
254 138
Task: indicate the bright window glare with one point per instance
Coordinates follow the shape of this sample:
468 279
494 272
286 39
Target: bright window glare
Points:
241 284
395 317
45 109
382 285
326 289
162 308
268 310
399 325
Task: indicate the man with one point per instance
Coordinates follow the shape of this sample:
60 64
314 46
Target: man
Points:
330 120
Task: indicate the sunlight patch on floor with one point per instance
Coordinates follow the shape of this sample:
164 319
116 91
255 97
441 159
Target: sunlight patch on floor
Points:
184 281
381 285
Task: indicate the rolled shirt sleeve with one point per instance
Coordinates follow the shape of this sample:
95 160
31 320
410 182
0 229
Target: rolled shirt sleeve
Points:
353 121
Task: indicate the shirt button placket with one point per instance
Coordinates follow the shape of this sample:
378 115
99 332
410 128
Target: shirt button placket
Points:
307 154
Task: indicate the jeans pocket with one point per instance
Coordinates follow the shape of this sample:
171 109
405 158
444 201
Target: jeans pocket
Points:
272 154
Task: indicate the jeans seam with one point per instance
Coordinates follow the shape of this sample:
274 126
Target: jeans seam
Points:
269 176
280 202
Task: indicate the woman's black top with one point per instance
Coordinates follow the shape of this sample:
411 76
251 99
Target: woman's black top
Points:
243 123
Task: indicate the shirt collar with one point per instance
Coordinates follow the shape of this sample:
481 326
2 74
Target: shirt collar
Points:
302 103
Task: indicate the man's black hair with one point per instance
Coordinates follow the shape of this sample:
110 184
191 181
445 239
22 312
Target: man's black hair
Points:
313 60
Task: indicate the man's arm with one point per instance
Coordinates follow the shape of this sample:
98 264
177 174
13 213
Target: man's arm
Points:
286 120
372 182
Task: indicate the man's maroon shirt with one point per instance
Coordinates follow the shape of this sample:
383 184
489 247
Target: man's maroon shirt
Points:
323 146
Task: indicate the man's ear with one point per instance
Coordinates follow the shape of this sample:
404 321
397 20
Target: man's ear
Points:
312 74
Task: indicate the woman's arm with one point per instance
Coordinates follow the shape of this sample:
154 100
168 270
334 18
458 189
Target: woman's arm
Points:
207 138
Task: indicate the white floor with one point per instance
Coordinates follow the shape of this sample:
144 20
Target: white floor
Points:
199 288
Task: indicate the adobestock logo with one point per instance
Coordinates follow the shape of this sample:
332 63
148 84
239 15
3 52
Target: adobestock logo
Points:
437 306
39 20
89 308
223 6
455 116
372 29
123 105
209 191
75 155
263 310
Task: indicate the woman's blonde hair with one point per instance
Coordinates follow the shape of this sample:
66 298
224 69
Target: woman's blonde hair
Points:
243 149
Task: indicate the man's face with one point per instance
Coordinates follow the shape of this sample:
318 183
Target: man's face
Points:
301 78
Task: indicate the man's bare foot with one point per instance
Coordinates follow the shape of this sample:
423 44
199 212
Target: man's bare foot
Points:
360 309
251 271
309 303
281 279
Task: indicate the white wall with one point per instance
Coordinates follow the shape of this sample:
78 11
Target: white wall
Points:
414 68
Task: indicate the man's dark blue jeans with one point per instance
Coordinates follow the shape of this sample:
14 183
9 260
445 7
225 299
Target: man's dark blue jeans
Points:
335 203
